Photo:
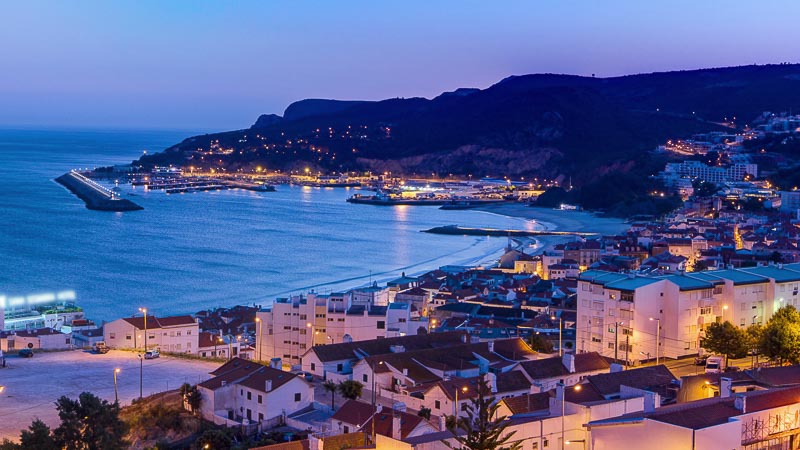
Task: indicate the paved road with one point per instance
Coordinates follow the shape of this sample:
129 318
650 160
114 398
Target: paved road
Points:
32 385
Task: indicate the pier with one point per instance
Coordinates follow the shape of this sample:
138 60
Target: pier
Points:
465 231
94 195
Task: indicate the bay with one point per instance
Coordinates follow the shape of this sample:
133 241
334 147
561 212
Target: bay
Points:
188 252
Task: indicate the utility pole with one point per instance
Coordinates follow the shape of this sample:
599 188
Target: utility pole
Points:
616 341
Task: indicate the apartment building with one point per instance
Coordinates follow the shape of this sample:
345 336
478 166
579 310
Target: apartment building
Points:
176 334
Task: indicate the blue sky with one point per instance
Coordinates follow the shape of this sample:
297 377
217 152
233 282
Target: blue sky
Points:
218 65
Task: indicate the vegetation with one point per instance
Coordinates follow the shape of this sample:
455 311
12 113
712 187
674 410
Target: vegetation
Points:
350 389
191 396
780 338
331 387
425 413
725 339
540 343
484 429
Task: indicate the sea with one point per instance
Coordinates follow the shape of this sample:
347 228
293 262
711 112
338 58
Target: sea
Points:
189 252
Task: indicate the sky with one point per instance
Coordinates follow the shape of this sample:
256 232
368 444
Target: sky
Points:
217 65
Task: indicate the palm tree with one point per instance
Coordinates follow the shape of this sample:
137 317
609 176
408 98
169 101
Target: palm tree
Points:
331 387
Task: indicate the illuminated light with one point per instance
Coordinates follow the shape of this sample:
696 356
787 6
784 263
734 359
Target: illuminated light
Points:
66 295
41 298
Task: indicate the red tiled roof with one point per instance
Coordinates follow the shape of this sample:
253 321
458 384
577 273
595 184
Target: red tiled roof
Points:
155 322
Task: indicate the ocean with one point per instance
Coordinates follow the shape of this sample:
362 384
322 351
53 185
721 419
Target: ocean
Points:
189 252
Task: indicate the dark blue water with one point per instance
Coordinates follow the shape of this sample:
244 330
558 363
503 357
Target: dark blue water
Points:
184 253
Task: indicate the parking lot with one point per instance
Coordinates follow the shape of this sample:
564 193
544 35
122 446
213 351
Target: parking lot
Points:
32 385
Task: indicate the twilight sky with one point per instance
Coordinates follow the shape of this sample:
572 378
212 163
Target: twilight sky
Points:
217 65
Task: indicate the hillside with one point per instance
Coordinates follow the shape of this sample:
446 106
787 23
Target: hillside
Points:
533 125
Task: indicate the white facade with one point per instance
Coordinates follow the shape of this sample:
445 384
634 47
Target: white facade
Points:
176 334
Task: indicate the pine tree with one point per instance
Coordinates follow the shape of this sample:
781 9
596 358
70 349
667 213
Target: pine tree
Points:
481 432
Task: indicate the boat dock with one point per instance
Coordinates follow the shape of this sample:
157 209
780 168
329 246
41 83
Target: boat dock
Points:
465 231
94 195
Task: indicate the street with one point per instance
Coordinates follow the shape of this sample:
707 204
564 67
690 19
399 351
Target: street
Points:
32 385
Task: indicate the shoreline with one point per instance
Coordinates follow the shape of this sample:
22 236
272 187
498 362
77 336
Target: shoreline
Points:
557 220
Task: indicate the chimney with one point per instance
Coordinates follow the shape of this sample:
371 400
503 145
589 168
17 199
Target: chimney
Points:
741 403
268 385
725 387
224 383
555 403
491 346
649 402
405 371
442 422
616 368
396 422
492 379
464 338
569 362
276 363
314 443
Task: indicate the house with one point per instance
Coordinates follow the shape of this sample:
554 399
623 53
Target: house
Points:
175 334
42 338
568 369
356 416
242 392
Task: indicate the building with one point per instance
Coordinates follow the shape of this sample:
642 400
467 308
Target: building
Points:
175 334
244 392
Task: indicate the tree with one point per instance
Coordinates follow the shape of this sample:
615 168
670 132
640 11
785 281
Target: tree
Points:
216 439
780 340
481 431
425 413
699 266
540 343
38 436
350 389
725 339
331 387
89 423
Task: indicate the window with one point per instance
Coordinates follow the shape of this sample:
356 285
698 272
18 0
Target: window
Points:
437 404
297 396
241 392
365 377
260 417
706 310
249 395
313 366
626 296
260 399
403 320
249 414
381 325
112 335
545 443
128 337
339 367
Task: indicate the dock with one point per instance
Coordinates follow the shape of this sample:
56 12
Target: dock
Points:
465 231
94 195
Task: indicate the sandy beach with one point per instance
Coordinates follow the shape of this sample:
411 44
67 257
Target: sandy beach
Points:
553 219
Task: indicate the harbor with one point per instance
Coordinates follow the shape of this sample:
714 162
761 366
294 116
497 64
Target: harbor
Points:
95 196
466 231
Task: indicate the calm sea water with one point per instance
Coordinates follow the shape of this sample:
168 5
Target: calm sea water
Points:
185 253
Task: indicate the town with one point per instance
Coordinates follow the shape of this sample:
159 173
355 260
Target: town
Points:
681 327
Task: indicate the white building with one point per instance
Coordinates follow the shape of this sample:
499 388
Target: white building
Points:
175 334
243 392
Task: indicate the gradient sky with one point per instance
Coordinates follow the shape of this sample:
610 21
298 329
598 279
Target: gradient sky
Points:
217 65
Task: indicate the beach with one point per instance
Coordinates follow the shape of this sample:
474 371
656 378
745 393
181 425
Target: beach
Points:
555 219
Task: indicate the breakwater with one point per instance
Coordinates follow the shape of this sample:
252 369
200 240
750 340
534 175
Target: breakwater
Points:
462 231
94 195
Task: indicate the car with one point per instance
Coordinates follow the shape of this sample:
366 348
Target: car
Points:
152 354
100 348
308 376
25 353
700 360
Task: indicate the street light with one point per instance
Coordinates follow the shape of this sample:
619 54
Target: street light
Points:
560 327
144 311
577 388
455 405
258 321
658 338
141 373
116 393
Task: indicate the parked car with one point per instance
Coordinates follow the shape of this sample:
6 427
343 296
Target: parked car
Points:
700 360
715 364
152 354
25 353
308 376
100 348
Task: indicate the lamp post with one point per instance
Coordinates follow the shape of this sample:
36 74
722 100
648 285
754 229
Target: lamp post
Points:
560 328
374 399
577 388
658 338
144 311
455 405
116 393
218 340
259 338
141 373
